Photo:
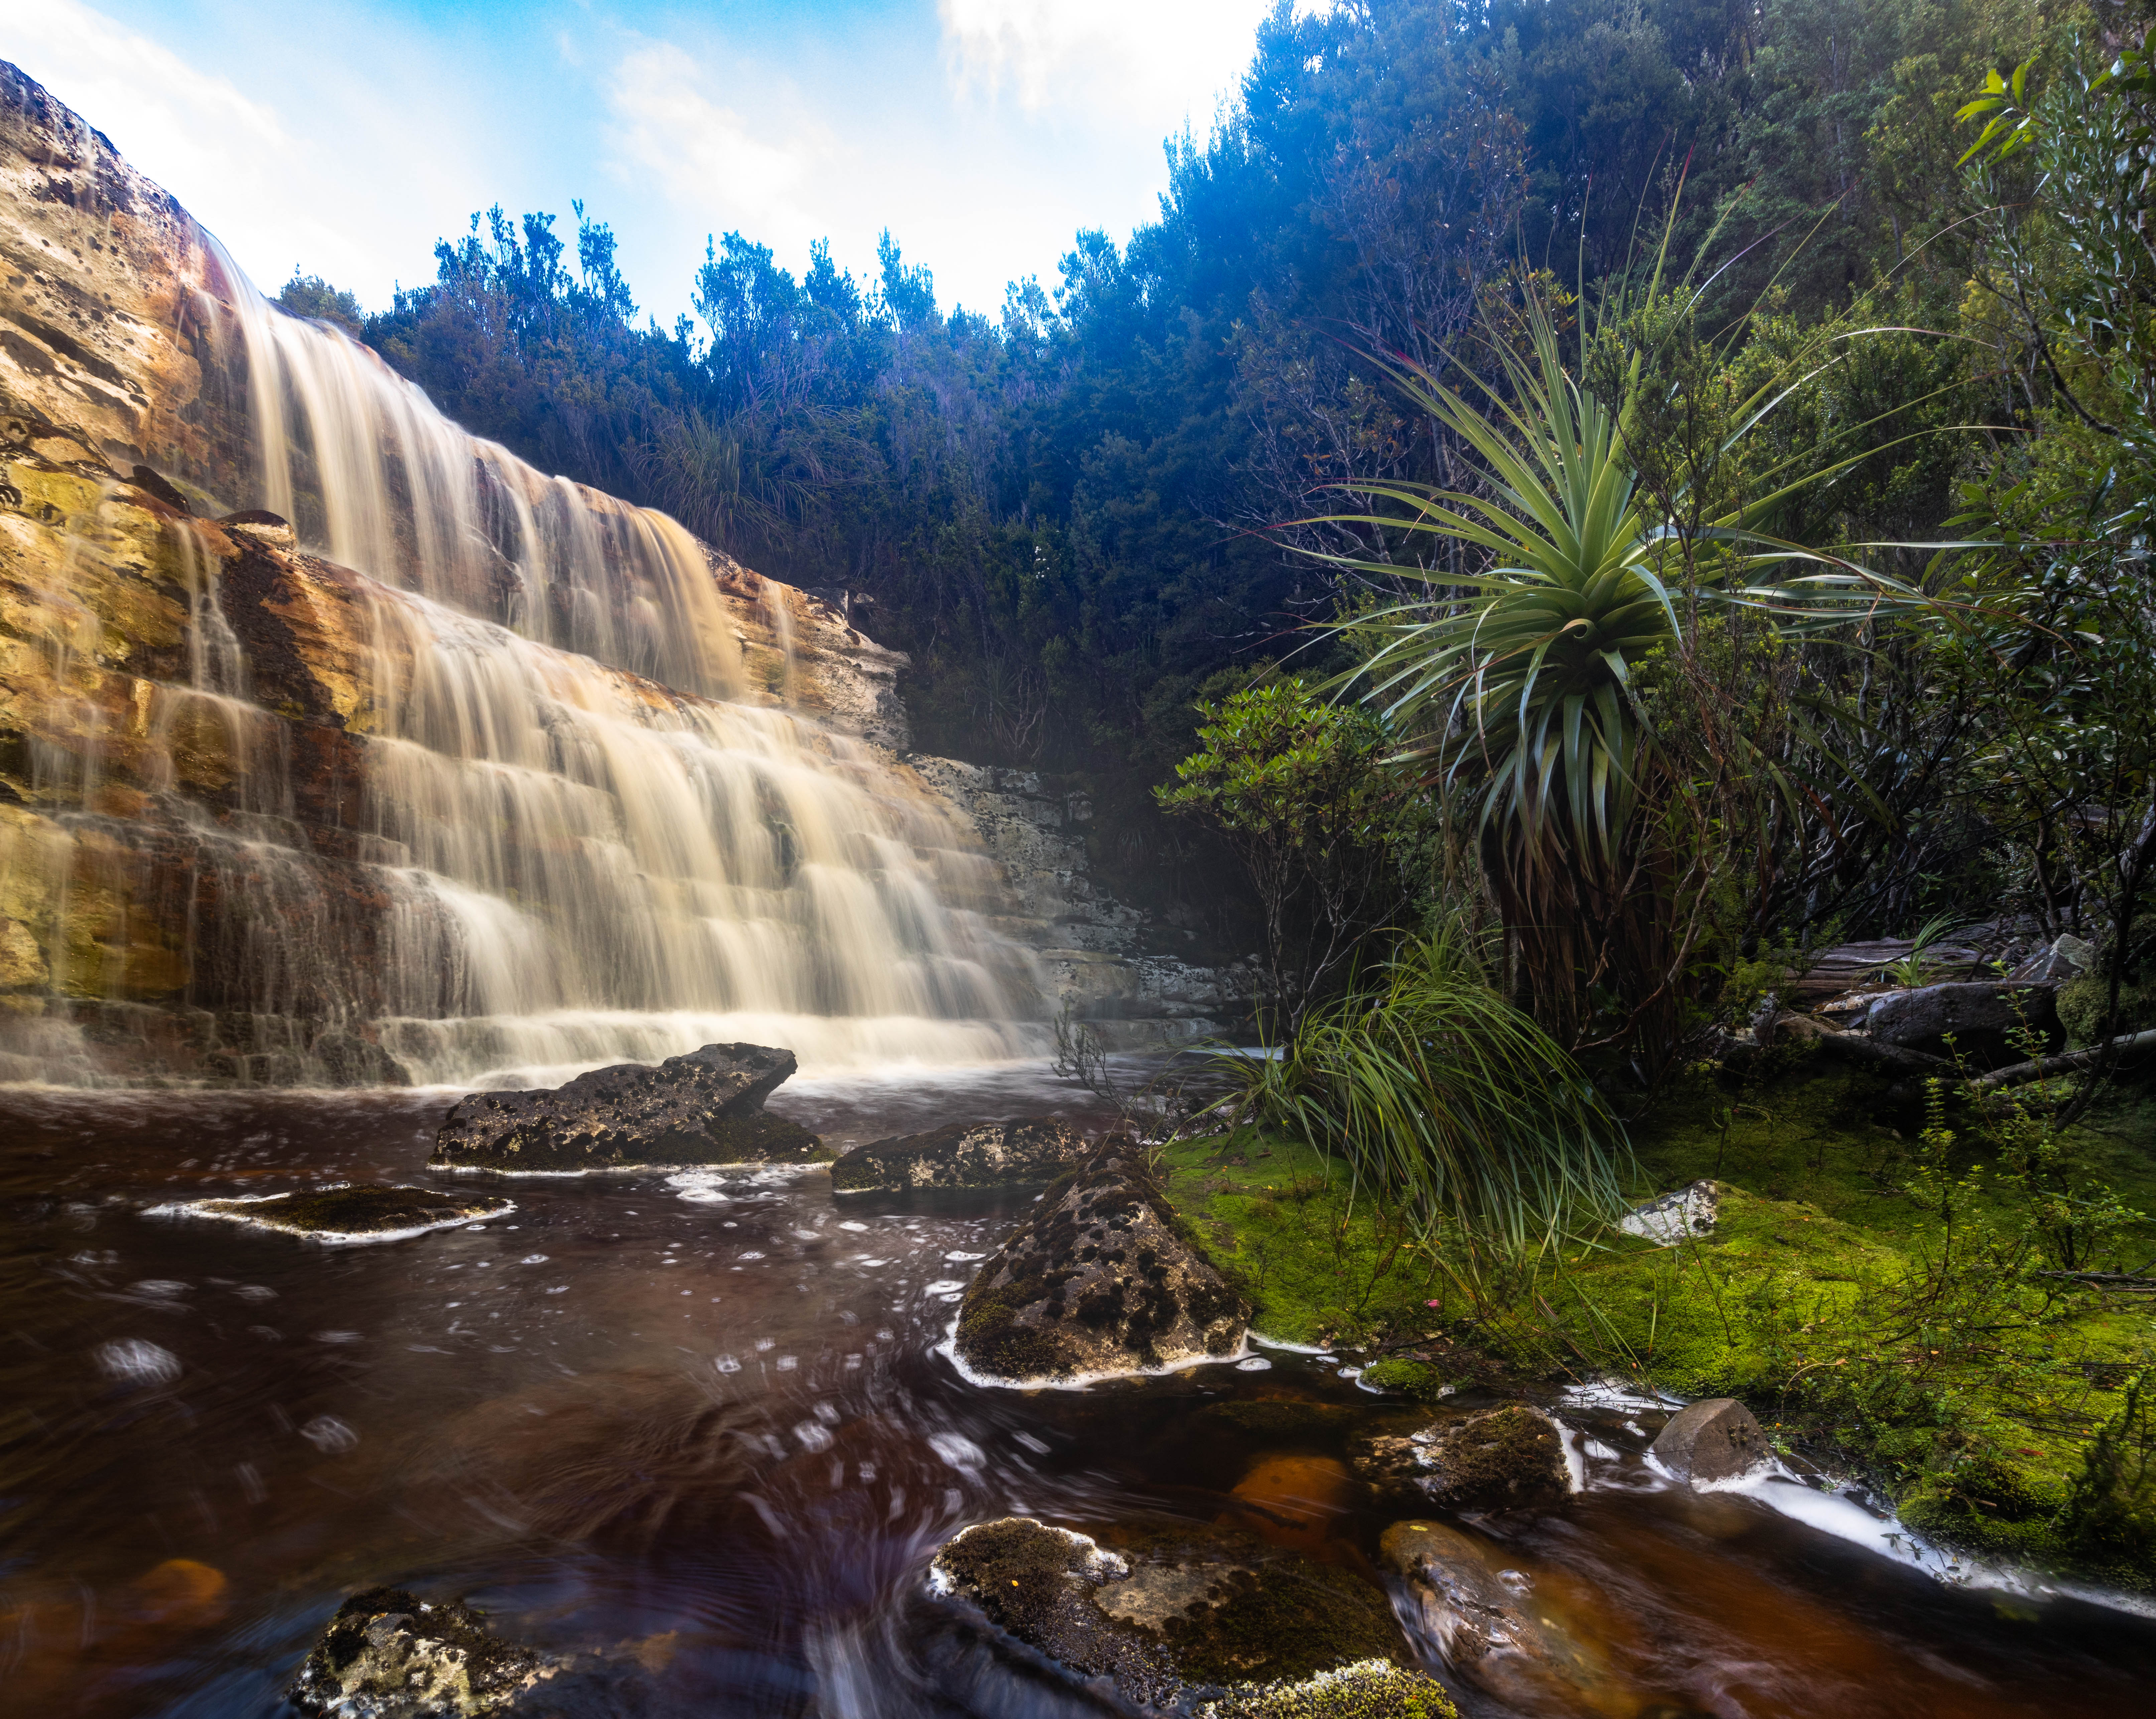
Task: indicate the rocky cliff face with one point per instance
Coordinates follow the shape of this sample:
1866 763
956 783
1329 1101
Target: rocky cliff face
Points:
203 860
1106 963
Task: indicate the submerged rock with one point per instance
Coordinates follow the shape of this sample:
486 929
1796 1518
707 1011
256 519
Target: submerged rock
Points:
1103 1279
1716 1438
1533 1639
1193 1620
357 1210
1502 1458
388 1654
1292 1498
1021 1153
704 1108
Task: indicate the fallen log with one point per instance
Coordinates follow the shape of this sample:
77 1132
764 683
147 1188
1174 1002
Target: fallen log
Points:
2066 1063
1861 1047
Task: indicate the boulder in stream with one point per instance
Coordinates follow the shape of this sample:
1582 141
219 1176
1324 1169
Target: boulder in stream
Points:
1024 1152
1104 1278
1715 1439
1534 1640
1502 1459
704 1108
1193 1620
389 1654
356 1212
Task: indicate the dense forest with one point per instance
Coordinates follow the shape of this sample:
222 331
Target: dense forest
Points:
1180 468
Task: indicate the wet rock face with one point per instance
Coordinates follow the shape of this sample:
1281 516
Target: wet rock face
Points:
1021 1153
1531 1639
361 1208
1101 1279
1503 1459
704 1108
195 878
388 1654
1191 1620
1715 1439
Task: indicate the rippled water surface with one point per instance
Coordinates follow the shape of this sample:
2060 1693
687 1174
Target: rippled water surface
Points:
691 1425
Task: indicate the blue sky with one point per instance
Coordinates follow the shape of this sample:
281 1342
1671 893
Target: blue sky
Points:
345 136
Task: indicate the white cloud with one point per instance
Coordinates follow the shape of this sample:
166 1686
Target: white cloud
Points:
715 163
329 175
1159 61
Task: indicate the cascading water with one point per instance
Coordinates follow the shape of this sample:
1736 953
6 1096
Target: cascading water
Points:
548 825
585 867
374 478
589 868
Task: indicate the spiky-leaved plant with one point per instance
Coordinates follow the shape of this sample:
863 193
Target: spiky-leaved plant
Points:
1520 680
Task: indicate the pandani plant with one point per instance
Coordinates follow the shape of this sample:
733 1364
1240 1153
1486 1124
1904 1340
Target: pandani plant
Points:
1522 681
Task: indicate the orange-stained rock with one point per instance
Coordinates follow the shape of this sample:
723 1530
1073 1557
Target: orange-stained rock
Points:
178 1591
1293 1500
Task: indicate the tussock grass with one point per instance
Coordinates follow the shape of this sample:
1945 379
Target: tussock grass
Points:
1448 1106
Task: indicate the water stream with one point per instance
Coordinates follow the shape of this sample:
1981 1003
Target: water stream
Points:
694 1424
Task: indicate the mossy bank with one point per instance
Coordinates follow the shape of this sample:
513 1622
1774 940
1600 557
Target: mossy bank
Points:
1880 1287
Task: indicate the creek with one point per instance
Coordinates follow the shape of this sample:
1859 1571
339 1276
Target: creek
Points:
695 1424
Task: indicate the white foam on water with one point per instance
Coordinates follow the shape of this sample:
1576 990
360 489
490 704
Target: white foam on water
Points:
327 1238
138 1361
948 1350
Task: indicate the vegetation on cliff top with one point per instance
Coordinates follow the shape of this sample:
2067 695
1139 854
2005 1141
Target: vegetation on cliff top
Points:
1077 510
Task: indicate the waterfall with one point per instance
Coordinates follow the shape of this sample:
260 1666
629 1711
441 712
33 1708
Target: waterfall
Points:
552 823
373 478
587 868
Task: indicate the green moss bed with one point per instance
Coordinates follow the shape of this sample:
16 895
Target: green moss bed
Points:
1876 1301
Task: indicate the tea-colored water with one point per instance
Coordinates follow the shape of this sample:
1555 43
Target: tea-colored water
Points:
693 1424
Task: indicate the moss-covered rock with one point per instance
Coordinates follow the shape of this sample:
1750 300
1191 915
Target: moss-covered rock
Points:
1422 1380
2085 1004
1503 1459
1104 1278
1192 1619
1024 1152
389 1654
